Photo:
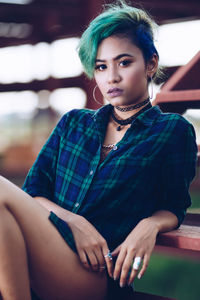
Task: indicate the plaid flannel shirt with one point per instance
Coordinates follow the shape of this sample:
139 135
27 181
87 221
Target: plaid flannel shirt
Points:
149 169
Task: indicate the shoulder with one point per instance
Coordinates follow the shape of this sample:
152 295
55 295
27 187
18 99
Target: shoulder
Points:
77 114
73 119
175 122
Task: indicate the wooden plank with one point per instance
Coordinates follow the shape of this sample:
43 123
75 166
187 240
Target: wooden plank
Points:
186 237
144 296
192 219
186 77
49 84
174 96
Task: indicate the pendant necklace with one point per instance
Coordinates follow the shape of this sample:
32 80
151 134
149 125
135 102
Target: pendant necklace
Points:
128 120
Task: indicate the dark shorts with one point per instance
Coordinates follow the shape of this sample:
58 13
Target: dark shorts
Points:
114 292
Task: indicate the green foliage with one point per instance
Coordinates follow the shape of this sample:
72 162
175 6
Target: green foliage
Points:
195 196
168 276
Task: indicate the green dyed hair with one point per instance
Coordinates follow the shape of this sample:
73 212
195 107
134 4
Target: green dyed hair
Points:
118 19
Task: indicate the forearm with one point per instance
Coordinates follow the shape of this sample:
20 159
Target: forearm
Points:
140 243
163 220
62 213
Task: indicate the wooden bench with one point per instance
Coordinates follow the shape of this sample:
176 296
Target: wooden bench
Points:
185 240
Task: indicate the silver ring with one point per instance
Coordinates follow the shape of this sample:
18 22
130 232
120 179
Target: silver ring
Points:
102 267
109 255
137 262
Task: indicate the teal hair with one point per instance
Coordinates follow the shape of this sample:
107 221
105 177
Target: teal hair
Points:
117 19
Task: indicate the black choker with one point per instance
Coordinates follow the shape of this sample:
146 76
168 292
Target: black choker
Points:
132 107
130 119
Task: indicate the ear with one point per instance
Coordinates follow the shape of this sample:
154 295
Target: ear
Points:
152 66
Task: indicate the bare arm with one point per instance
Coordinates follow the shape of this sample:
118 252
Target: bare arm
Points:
62 213
140 243
164 220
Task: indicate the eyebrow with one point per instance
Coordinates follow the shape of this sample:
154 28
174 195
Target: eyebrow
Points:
115 58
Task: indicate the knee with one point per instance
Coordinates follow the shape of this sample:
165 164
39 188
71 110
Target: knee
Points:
3 191
3 211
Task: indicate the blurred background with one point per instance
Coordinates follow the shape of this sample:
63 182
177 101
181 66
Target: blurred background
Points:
41 78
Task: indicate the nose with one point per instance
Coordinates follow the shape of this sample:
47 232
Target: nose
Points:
113 75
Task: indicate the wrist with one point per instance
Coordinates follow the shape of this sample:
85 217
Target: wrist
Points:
151 223
72 218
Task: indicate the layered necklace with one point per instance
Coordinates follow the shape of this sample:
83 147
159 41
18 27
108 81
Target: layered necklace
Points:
129 120
107 148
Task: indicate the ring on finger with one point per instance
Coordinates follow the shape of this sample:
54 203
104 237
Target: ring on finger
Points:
102 267
109 255
137 262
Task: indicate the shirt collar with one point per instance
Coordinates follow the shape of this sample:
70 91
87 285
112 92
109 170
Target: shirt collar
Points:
149 116
101 118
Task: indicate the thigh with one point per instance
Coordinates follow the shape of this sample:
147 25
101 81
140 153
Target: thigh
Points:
55 270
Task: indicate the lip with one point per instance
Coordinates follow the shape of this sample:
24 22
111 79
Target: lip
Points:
114 92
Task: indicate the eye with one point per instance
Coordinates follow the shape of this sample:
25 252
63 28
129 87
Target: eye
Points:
125 62
100 67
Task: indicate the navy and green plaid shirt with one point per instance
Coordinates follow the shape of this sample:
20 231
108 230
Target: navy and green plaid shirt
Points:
150 169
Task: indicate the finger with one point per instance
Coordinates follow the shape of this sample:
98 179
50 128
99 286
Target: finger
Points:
116 251
108 260
84 260
101 261
118 264
144 266
134 271
126 267
93 262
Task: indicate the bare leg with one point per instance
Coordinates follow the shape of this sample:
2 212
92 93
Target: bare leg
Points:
55 270
14 278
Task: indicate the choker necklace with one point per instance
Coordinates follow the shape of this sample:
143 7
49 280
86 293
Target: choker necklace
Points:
130 119
132 107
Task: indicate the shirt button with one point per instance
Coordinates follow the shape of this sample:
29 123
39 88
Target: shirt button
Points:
91 172
115 148
77 204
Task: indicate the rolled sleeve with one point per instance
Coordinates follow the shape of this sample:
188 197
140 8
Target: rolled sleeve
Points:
178 172
41 177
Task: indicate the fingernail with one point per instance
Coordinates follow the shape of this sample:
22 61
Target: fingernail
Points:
121 284
139 276
115 278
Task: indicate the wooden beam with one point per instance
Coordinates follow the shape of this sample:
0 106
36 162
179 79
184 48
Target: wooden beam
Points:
49 84
186 237
186 77
177 96
144 296
178 101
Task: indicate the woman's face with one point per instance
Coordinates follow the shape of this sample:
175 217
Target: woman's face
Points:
120 71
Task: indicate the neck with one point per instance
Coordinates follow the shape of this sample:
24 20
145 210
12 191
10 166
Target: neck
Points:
127 114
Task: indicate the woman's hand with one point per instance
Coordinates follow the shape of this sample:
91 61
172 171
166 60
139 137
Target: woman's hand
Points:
91 246
139 243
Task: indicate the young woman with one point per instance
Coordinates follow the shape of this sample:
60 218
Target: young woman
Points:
105 183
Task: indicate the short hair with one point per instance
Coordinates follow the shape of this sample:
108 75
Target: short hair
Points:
118 19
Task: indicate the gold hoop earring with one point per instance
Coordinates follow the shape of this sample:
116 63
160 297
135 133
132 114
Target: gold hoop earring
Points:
93 93
151 88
